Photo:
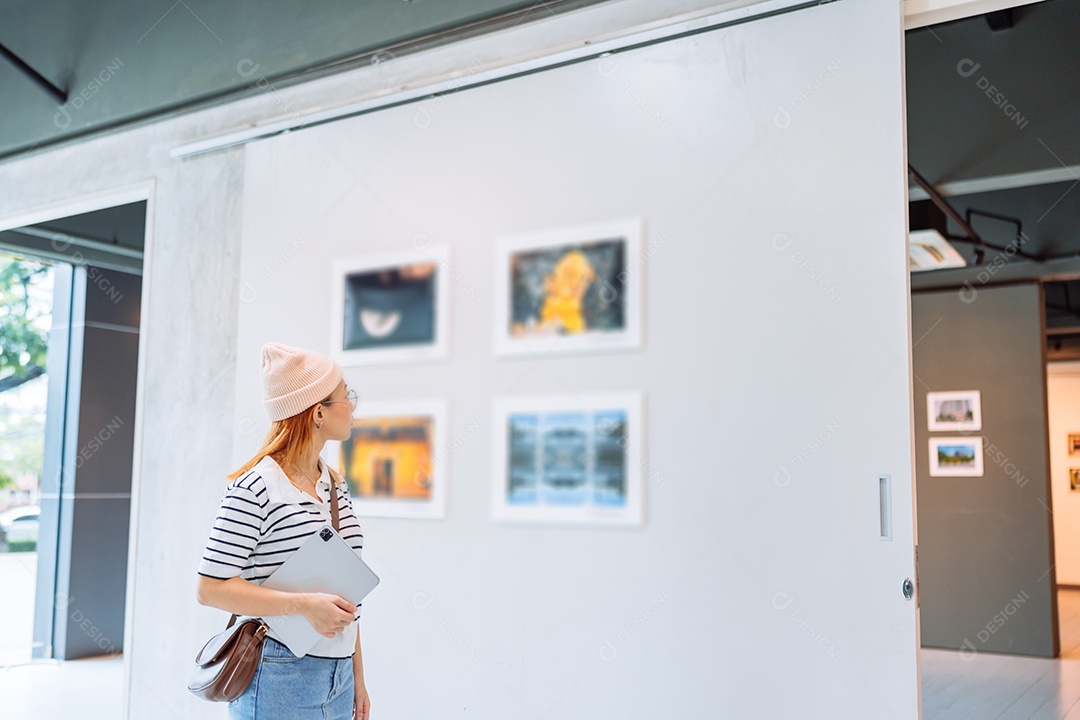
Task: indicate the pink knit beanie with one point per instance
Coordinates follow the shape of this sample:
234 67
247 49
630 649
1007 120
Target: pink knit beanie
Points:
295 379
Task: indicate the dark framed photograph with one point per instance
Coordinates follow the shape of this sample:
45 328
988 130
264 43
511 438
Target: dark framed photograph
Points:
390 308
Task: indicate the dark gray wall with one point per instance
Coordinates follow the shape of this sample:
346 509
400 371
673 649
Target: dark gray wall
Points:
89 505
986 543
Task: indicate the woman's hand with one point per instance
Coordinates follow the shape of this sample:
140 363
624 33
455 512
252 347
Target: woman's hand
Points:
328 614
361 703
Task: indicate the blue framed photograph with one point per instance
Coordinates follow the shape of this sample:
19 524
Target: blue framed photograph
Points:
569 459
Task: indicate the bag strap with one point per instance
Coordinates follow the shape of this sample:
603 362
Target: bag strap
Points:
334 500
334 518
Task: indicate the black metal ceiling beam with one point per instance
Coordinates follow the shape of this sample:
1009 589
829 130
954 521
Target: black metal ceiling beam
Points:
970 235
57 94
1064 310
942 203
1020 237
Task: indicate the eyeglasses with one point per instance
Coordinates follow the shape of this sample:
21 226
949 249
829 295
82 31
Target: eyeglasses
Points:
350 397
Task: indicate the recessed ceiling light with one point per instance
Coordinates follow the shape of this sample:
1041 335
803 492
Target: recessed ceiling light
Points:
928 246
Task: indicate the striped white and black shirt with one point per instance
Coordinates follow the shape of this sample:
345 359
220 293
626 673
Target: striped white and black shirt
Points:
263 519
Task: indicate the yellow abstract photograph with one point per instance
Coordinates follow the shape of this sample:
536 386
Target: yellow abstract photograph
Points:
389 457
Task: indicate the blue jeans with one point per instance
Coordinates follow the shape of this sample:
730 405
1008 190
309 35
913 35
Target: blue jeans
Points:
286 687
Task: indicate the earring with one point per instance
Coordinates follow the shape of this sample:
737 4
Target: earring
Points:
319 425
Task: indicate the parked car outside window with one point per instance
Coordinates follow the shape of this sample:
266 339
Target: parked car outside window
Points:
19 525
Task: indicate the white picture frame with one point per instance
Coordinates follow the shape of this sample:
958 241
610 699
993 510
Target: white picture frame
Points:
525 320
366 339
398 452
587 490
954 411
942 448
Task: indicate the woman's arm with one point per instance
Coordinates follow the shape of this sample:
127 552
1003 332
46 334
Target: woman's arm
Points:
358 661
361 702
329 614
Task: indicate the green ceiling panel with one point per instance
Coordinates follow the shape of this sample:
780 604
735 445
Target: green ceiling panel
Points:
129 59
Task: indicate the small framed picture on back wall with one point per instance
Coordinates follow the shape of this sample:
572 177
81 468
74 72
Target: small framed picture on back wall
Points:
954 411
956 457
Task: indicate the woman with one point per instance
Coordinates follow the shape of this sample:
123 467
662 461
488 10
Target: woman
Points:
274 502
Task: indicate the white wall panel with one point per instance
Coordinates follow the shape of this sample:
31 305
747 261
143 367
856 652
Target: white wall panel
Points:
768 161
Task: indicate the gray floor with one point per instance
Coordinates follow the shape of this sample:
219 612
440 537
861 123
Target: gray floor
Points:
989 687
82 689
17 573
999 687
986 686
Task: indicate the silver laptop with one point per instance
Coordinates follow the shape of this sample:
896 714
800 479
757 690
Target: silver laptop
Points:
324 563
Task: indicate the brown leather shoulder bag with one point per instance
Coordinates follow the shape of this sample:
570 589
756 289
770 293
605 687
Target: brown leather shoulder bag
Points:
228 661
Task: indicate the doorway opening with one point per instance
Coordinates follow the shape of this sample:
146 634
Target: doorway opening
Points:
993 220
72 287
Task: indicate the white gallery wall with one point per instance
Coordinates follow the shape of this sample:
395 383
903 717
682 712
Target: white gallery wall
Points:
767 161
1063 407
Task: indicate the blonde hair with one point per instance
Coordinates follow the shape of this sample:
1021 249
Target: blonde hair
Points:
293 435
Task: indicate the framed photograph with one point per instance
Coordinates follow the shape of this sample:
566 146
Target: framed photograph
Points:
390 308
956 457
1074 444
569 290
395 460
1074 478
954 411
569 459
